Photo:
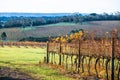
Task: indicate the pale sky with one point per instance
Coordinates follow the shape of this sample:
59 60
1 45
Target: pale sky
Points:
56 6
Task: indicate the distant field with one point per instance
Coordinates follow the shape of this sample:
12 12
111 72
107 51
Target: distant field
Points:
26 60
58 29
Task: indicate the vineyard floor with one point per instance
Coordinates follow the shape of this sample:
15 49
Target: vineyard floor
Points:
7 73
24 64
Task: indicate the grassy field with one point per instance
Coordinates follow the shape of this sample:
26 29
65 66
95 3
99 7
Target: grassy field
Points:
14 34
26 60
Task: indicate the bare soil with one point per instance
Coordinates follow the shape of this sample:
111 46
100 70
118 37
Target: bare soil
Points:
7 73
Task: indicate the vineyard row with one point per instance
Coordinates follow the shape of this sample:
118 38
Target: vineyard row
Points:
86 54
18 44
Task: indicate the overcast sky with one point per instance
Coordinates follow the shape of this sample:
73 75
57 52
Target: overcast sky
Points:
56 6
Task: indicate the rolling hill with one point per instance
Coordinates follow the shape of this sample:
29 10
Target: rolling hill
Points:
16 34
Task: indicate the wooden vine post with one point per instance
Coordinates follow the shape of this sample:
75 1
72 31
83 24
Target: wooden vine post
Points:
60 54
79 56
114 36
47 60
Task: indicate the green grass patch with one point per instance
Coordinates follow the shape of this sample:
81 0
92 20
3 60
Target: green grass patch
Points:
27 28
26 60
61 24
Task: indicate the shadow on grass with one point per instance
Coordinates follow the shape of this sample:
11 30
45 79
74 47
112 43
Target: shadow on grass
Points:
9 78
5 62
56 74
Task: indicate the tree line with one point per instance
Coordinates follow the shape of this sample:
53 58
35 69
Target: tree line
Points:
22 21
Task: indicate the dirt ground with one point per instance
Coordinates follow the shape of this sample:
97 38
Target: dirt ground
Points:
7 73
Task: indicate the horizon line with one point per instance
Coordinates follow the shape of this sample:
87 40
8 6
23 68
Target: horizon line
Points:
61 12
